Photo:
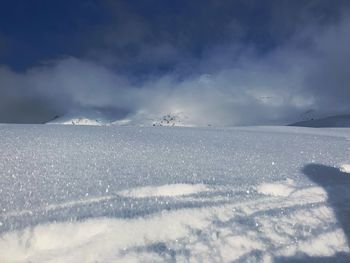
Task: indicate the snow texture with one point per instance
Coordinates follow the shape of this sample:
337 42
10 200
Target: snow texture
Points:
164 190
169 194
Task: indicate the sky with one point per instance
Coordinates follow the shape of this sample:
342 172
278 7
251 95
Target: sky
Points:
228 62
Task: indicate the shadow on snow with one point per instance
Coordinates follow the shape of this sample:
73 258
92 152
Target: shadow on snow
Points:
337 185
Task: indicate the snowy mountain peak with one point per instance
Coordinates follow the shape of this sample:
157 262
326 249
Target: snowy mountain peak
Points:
77 121
331 121
96 118
87 117
178 119
143 118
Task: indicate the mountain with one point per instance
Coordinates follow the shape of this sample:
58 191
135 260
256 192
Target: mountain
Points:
332 121
82 117
143 119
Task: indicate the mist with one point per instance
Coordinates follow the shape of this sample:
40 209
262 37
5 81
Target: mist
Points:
232 83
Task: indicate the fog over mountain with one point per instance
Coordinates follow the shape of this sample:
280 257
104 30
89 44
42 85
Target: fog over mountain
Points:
221 63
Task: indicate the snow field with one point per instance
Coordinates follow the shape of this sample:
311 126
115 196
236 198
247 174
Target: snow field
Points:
120 194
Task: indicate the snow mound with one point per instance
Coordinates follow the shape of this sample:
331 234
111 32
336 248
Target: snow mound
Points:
164 190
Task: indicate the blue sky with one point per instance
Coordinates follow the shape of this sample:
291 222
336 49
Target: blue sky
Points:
146 43
38 30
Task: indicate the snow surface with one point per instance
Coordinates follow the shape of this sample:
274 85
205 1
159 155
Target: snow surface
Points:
345 168
166 194
276 189
164 190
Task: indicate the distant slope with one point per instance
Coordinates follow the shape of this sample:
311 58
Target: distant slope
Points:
141 119
145 119
332 121
92 118
76 121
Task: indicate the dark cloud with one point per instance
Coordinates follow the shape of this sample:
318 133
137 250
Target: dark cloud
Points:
221 62
4 45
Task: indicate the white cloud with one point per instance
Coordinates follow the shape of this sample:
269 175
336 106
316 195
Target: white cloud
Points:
229 88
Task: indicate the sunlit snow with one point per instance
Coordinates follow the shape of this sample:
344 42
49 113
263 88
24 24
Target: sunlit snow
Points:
169 194
164 190
345 168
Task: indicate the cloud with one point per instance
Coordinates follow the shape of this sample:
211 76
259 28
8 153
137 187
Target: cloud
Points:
231 83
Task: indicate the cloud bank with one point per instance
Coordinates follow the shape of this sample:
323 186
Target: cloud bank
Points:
231 83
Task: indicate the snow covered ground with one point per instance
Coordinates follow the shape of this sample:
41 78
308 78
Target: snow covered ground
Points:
169 194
